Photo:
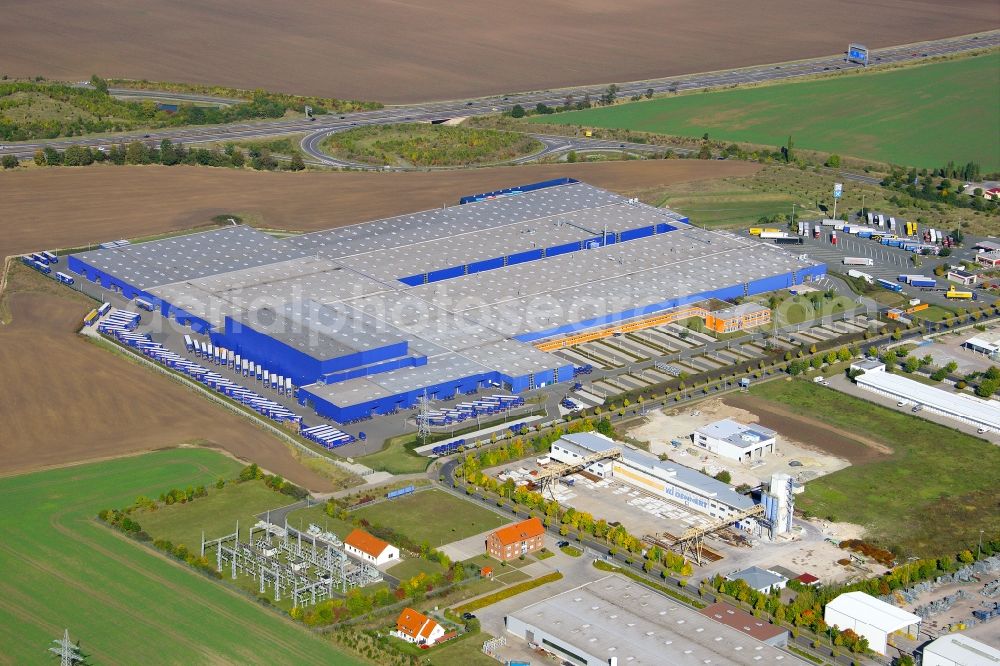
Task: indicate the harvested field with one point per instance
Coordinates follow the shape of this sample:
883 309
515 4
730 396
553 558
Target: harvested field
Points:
853 447
67 207
434 49
63 399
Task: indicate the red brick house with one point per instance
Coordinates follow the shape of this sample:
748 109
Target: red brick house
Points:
522 538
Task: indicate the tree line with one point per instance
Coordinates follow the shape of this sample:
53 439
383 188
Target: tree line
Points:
166 153
935 187
73 111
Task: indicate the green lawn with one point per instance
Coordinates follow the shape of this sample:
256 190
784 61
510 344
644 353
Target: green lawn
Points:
126 604
413 566
216 514
433 516
417 144
464 652
930 497
397 457
921 116
731 207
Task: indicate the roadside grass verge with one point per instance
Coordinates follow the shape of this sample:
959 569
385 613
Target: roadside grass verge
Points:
508 592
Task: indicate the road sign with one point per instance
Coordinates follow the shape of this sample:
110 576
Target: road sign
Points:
838 190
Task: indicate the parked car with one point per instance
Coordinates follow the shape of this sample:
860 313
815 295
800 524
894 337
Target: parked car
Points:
468 616
562 544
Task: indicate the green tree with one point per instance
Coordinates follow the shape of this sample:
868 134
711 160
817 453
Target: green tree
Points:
168 155
40 157
296 164
833 161
9 162
724 476
52 156
99 84
571 156
649 93
78 156
610 95
137 153
987 387
912 364
517 111
705 153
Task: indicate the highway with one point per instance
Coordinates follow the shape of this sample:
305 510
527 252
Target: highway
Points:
438 111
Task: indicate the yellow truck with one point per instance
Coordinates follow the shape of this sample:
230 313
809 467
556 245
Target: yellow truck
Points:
953 293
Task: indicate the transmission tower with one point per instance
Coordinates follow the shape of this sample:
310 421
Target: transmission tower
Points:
69 654
423 419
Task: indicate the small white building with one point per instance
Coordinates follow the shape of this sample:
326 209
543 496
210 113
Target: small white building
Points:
959 650
963 277
870 617
987 344
735 440
868 365
370 548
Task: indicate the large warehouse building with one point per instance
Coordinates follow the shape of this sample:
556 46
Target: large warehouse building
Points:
616 621
969 409
365 319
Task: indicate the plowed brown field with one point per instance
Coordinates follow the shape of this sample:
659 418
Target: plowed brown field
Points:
437 49
69 207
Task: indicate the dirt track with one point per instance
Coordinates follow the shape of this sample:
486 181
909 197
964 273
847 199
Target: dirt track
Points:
68 207
436 49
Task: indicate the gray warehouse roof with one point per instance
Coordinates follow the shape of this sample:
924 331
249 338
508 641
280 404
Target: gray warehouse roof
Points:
615 617
757 578
147 265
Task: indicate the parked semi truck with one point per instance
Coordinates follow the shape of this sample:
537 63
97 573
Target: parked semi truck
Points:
891 286
863 276
858 261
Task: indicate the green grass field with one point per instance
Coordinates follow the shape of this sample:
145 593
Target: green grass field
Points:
125 603
433 516
930 497
216 514
919 116
398 456
417 144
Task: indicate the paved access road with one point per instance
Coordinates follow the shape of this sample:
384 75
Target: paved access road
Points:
437 111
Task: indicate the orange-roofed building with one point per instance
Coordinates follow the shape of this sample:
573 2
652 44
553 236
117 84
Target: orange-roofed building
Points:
415 627
370 548
513 541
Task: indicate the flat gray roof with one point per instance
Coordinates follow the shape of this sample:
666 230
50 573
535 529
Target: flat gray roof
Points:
147 265
757 578
616 617
322 331
738 434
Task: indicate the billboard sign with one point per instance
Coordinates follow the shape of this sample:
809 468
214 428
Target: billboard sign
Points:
838 190
857 53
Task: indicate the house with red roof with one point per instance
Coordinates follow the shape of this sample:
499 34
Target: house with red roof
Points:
370 548
415 627
513 541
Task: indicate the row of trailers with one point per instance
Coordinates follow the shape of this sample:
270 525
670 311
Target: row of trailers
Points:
42 262
487 406
122 324
229 359
910 241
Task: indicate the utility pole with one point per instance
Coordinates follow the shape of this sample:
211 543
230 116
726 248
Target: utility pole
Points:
69 654
979 551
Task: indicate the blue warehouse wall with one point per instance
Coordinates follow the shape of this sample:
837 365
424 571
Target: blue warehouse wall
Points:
276 356
109 281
